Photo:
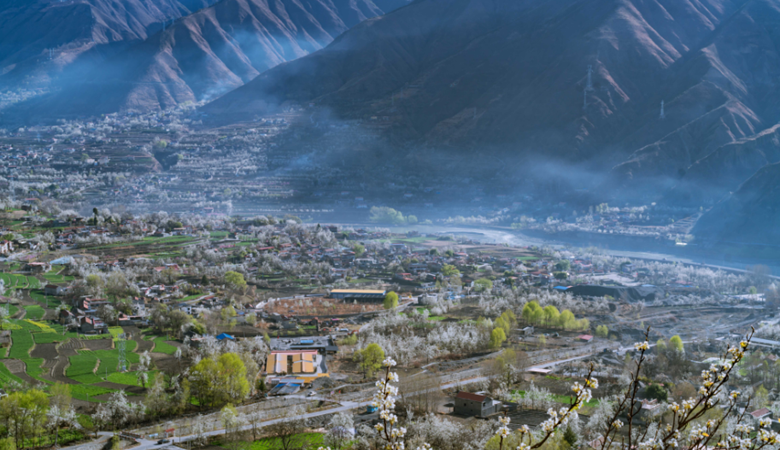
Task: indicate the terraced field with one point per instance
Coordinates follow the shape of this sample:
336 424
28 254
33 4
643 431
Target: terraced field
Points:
41 352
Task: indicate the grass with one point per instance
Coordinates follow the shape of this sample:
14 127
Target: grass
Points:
34 312
82 367
160 346
88 393
22 343
43 327
12 280
129 378
115 332
6 376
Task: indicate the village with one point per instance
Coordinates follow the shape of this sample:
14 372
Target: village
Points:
124 311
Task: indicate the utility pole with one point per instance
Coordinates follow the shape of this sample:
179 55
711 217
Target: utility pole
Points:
663 114
588 87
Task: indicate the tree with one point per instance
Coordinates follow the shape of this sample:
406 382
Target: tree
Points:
370 358
144 361
532 313
602 331
235 280
449 270
384 214
7 444
339 430
656 391
232 423
567 321
289 431
483 284
391 300
497 338
60 396
359 249
563 265
502 323
61 417
569 436
204 280
676 344
551 315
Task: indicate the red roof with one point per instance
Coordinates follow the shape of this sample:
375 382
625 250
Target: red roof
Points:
585 337
470 396
760 413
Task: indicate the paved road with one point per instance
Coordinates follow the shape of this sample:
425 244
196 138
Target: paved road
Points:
145 444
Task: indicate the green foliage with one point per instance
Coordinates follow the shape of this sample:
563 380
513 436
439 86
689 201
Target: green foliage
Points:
570 437
656 391
370 358
497 338
216 383
676 344
359 249
483 284
533 313
7 444
602 331
384 214
235 280
391 300
449 270
563 265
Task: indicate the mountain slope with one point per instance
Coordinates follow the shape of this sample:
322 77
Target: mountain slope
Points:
205 54
751 215
512 76
29 30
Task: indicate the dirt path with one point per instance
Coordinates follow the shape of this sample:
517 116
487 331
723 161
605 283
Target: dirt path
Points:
19 368
141 344
65 350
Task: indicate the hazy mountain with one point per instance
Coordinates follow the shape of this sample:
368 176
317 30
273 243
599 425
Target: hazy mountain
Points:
751 215
512 74
38 37
201 55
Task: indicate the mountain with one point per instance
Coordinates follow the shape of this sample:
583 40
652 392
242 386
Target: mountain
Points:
202 55
512 76
40 37
751 215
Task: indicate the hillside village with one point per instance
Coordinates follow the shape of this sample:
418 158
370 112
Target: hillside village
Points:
126 310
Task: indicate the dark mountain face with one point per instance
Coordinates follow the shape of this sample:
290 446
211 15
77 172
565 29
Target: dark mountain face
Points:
201 55
512 75
751 215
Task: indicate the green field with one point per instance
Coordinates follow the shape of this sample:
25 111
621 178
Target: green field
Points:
22 343
34 312
19 281
160 346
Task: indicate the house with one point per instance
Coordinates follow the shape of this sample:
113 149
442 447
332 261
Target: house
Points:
92 325
322 344
37 267
762 413
224 336
468 404
302 365
53 289
585 338
358 294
